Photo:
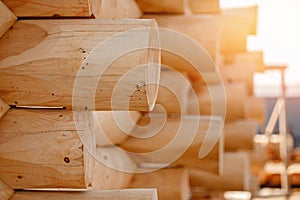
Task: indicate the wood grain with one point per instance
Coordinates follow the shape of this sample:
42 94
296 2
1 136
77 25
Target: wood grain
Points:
162 6
44 149
170 183
134 194
7 18
61 63
3 108
5 191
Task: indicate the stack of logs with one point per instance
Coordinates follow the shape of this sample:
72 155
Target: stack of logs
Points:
61 138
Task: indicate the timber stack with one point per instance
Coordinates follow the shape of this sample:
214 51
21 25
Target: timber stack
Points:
125 99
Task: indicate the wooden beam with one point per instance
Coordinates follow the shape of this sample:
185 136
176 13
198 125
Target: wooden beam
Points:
134 194
44 149
236 174
112 169
173 91
239 135
176 141
255 109
5 191
114 127
115 9
61 63
250 57
165 6
204 6
170 183
7 18
237 24
235 98
240 73
4 108
204 29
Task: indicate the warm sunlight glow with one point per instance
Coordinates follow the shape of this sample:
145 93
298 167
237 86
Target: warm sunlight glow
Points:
278 36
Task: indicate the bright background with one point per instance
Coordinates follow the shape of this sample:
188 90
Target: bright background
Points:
278 35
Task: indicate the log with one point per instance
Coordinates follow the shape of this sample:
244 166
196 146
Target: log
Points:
237 24
44 149
59 63
240 73
177 141
204 6
112 169
250 57
4 108
235 97
204 29
134 194
114 127
7 18
173 91
159 6
115 9
255 109
5 191
236 174
239 135
170 183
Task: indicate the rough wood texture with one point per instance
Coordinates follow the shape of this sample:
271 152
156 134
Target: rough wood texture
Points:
237 24
204 6
170 183
5 191
114 127
255 109
111 167
176 141
239 135
3 108
115 9
28 8
236 174
43 149
59 63
204 29
162 6
235 97
173 91
7 18
134 194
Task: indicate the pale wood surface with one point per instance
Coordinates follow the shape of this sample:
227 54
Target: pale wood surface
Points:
5 191
255 109
28 8
236 95
41 59
204 29
115 9
7 18
114 126
134 194
171 141
170 183
111 170
250 57
204 6
237 24
43 149
240 73
236 174
162 6
3 108
239 135
173 91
